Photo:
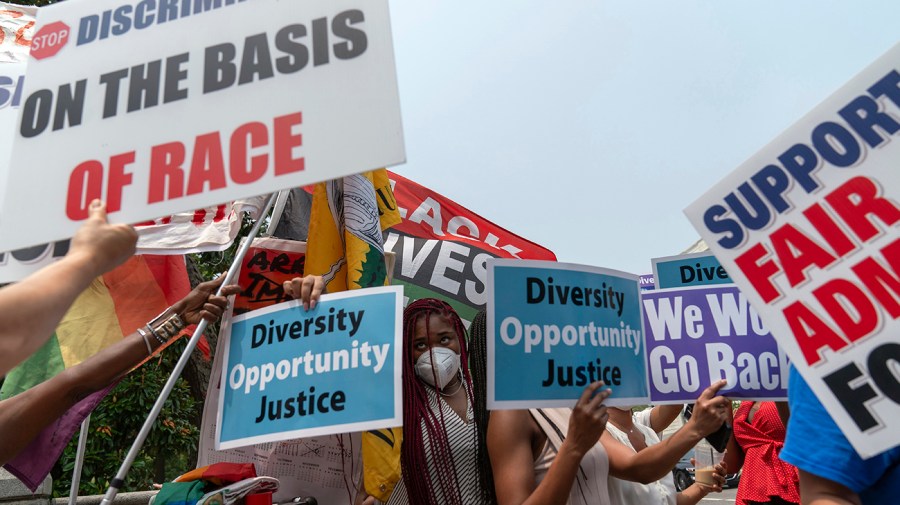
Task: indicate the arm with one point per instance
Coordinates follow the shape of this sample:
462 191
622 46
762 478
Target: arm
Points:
28 413
510 436
32 308
652 463
734 454
662 416
815 490
784 412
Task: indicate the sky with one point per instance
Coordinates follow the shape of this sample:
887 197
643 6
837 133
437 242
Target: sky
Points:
588 126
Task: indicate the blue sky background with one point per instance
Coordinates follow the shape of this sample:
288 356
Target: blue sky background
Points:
587 126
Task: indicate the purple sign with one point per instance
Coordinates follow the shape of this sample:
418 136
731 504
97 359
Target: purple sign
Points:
696 336
647 282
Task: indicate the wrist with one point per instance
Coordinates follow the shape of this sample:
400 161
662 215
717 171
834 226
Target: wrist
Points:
694 433
701 490
165 326
83 264
569 449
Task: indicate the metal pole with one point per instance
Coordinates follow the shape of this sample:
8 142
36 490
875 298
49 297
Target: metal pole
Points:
79 459
277 212
119 480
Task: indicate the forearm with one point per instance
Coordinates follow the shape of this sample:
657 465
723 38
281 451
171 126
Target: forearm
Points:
662 416
32 309
654 462
24 416
692 495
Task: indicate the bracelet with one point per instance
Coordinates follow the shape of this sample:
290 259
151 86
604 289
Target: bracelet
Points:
165 326
161 340
143 335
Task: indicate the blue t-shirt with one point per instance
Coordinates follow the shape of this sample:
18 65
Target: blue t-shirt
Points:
816 445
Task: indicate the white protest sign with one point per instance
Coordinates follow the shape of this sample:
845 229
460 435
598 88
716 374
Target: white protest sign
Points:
807 228
162 107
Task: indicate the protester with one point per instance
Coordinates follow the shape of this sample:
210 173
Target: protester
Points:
441 441
25 415
638 431
831 472
31 309
552 456
754 446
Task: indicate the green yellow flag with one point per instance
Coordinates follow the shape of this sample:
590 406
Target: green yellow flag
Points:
346 248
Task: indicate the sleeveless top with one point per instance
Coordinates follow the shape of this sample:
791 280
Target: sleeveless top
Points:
765 474
624 492
463 441
589 487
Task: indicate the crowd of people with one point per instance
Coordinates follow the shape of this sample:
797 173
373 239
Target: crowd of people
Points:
455 451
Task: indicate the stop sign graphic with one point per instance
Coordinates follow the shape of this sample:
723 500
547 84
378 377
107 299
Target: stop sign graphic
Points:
49 39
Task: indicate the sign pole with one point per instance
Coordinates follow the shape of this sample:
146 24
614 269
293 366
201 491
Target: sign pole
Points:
119 479
79 460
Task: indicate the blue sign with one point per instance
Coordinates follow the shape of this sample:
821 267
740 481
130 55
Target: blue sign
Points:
554 328
291 373
698 269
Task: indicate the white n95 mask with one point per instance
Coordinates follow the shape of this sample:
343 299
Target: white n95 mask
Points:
445 365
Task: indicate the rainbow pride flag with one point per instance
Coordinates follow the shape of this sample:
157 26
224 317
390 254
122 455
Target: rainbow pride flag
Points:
113 306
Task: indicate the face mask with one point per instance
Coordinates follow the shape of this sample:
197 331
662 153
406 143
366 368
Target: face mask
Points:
444 365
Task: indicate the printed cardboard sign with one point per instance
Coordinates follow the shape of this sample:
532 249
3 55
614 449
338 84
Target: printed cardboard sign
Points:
186 105
697 336
291 373
807 228
553 328
697 269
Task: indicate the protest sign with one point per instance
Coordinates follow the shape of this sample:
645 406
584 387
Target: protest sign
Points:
807 230
553 328
442 248
195 103
696 269
648 282
697 336
268 264
322 466
291 373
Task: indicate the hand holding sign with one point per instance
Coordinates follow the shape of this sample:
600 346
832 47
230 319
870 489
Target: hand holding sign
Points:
103 246
307 289
203 303
588 419
710 411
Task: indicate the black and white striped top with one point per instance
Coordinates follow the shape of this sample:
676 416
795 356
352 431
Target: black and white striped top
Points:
463 447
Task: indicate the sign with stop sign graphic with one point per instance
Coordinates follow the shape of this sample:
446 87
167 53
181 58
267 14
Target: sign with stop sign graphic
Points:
49 40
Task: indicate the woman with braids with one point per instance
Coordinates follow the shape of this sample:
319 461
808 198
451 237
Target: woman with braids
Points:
441 440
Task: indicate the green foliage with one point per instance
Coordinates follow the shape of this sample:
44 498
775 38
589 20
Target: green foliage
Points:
169 449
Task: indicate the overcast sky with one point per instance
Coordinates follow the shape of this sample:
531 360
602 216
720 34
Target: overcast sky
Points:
588 126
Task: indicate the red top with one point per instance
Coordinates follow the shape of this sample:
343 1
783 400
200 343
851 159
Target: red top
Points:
765 474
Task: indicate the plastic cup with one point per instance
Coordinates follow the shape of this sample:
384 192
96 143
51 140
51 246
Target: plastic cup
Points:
705 459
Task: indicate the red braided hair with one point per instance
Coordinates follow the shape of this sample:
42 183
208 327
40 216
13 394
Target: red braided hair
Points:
417 415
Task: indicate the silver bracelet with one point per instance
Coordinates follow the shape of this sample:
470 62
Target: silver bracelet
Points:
164 326
160 339
143 335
